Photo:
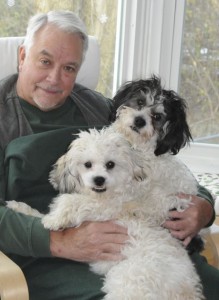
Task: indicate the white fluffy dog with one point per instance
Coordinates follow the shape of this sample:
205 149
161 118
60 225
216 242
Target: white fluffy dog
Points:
107 180
102 177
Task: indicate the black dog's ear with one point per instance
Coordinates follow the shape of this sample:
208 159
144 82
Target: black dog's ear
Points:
175 133
120 98
121 95
131 89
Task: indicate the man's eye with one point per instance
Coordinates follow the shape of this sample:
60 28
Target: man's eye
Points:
70 69
44 62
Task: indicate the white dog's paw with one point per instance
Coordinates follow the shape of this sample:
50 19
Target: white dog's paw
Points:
14 205
24 208
102 267
49 222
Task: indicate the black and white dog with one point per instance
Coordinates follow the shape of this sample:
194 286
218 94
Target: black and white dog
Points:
153 119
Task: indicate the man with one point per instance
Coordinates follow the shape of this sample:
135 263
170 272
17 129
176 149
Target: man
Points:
39 113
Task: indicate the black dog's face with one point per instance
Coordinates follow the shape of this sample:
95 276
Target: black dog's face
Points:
153 111
138 94
139 100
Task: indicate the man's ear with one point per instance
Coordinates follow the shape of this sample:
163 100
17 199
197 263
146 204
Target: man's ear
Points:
21 56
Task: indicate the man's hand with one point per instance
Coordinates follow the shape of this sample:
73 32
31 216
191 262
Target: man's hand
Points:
186 224
89 242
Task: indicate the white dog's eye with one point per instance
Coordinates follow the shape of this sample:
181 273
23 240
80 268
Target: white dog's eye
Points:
88 164
110 165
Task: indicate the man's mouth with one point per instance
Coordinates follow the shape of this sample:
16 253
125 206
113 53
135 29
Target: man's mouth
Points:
50 90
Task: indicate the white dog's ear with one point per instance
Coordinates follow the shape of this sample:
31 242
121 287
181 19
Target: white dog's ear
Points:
118 112
64 176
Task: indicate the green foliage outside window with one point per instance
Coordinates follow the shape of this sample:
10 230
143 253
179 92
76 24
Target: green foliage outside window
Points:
200 68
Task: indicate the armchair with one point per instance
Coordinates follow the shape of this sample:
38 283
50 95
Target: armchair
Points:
13 285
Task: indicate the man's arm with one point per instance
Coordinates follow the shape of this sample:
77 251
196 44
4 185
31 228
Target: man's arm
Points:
89 242
23 235
185 225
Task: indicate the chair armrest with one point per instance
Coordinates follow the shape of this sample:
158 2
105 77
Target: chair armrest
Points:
13 285
211 251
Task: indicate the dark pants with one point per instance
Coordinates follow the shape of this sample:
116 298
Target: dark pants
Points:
209 276
59 279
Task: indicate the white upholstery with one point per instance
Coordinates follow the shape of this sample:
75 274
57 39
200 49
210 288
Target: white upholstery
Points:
88 74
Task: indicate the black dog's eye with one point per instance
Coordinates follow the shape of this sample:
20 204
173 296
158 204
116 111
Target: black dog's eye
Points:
88 164
156 117
110 165
140 102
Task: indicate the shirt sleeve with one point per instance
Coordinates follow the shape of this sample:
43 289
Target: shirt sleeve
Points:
23 235
205 194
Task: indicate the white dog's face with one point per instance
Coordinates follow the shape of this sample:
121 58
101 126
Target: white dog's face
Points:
101 168
97 162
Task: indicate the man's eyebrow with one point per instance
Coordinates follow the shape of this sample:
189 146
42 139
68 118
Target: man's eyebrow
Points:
45 52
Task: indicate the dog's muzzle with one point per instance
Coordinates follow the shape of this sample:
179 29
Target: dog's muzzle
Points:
99 184
139 122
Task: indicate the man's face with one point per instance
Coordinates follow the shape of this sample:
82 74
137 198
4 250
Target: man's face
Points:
48 71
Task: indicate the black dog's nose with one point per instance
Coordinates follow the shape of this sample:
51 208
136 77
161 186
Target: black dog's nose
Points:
99 180
140 122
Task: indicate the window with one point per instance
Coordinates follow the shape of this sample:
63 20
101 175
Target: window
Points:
199 71
100 17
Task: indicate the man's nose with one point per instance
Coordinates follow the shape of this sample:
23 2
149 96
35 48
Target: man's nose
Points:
54 75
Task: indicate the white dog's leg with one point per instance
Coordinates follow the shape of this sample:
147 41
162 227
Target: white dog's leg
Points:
134 281
157 268
68 210
62 214
24 208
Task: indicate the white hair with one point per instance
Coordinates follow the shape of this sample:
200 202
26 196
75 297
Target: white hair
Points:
65 20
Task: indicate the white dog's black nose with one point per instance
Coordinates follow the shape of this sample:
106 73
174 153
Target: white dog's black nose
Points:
99 180
139 122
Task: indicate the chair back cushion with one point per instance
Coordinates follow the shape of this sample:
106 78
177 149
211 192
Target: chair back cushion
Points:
87 76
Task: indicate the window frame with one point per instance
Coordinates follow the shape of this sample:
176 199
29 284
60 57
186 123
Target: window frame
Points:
151 33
